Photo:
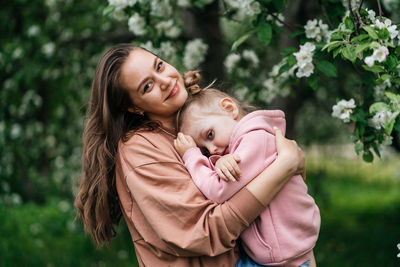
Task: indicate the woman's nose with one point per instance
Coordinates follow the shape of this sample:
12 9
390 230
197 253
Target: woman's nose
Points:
165 82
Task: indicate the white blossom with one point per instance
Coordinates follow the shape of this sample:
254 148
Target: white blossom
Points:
194 54
183 3
33 30
371 14
121 4
168 28
137 24
343 109
316 29
398 247
388 25
306 70
17 53
277 21
149 46
48 49
250 56
379 119
370 60
250 7
231 61
161 8
380 53
304 60
168 51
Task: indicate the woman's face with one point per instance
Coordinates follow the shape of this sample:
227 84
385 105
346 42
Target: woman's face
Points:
154 86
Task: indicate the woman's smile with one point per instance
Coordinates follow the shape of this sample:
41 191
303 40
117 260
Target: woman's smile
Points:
174 91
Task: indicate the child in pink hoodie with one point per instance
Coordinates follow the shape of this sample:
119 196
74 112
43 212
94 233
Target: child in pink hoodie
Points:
239 147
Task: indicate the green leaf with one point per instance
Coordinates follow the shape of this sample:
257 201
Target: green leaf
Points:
371 32
368 156
378 106
348 22
278 4
393 97
360 48
296 33
391 63
359 38
108 10
390 123
284 68
313 82
292 60
241 40
374 69
359 147
332 45
264 33
375 147
383 34
327 68
336 52
349 52
288 50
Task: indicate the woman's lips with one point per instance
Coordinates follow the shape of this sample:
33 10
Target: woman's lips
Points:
174 91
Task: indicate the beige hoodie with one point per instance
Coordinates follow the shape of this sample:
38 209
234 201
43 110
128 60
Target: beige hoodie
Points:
170 220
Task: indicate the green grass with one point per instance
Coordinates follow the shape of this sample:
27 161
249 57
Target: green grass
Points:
360 210
359 204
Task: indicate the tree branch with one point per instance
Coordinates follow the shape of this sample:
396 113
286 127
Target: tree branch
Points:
354 17
380 9
325 14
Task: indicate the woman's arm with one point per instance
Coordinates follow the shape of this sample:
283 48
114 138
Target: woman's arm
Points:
290 161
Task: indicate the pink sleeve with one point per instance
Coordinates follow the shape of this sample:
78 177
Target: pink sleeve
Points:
256 150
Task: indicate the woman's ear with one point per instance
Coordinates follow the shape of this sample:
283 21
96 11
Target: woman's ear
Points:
229 106
136 110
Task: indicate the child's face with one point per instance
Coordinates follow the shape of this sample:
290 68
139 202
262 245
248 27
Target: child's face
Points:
211 130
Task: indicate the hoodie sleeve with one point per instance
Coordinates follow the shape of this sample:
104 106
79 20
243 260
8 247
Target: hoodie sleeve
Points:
256 150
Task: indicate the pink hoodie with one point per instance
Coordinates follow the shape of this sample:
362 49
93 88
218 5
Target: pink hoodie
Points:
287 230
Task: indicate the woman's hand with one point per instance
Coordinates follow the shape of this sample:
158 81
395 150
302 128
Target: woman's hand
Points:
183 142
290 154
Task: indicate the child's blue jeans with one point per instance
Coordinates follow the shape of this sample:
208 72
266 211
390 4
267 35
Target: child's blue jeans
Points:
246 261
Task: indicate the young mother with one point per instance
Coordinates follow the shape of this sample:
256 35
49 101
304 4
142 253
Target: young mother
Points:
130 168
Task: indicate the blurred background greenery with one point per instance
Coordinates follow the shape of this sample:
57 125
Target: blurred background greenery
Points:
49 49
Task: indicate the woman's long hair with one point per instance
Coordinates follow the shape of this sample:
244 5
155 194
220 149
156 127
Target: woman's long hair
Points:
107 123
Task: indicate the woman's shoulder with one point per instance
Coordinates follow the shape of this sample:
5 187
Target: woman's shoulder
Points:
145 147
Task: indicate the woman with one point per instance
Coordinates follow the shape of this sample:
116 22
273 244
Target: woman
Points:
131 168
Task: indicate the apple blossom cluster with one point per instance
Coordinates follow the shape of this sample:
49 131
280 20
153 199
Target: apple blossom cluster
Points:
241 64
244 8
121 4
316 29
379 120
379 55
343 109
304 60
137 24
398 247
194 54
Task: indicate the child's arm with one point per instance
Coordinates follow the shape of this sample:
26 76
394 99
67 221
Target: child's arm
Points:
227 163
253 151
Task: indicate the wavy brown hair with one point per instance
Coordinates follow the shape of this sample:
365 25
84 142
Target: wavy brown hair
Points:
107 123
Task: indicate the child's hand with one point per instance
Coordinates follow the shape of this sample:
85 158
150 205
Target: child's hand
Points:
183 142
227 168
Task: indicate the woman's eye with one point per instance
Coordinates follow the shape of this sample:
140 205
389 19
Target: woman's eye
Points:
159 65
146 87
210 134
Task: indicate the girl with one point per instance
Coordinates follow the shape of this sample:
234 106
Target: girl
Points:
131 169
286 231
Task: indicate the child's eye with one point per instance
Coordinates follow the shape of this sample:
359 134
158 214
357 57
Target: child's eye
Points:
210 134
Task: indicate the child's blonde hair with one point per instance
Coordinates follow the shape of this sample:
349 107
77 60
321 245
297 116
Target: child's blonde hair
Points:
205 98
